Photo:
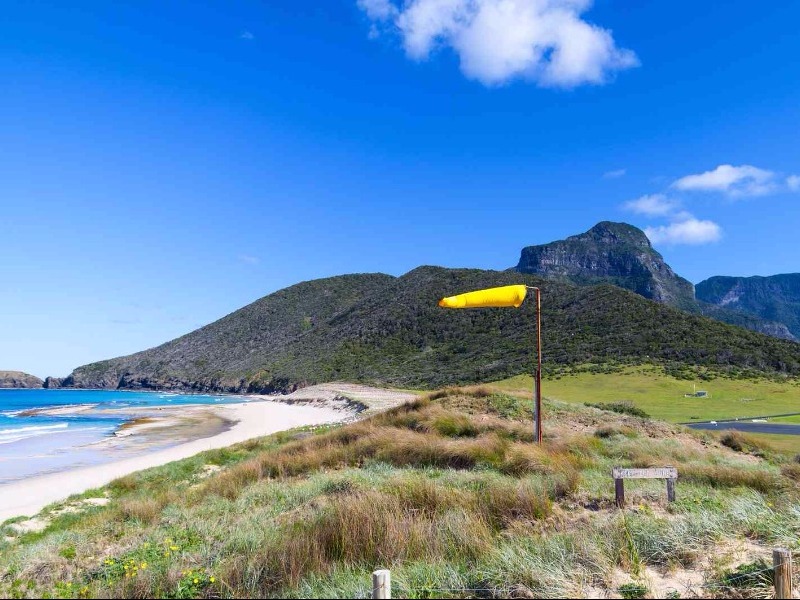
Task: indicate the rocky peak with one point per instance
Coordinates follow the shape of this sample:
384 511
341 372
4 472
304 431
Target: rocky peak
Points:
615 253
608 232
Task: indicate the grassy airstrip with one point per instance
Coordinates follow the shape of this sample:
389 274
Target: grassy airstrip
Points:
663 396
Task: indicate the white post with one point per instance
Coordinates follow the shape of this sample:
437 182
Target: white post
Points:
381 584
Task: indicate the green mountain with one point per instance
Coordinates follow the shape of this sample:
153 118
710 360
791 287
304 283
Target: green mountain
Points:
387 330
775 298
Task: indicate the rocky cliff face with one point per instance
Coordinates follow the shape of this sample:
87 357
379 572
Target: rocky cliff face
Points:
18 379
775 298
615 253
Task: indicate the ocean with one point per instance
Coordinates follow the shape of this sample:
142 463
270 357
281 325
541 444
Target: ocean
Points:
37 444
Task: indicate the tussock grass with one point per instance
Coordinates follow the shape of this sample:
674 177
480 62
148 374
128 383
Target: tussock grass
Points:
729 476
448 491
742 442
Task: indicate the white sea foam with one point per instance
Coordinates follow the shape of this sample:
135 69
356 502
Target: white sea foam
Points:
34 428
20 433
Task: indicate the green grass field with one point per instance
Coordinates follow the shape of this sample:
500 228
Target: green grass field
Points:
662 396
785 444
794 420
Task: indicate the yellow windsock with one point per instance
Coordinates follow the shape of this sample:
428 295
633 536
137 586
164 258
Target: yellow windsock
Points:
509 295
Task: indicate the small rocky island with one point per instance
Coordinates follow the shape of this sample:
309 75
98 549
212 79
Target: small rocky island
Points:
18 379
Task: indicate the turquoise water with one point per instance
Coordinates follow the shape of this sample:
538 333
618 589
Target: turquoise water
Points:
37 444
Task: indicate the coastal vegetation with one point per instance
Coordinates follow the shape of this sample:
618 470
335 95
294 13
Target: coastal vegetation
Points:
448 491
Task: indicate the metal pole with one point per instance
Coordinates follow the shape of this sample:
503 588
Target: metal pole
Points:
539 366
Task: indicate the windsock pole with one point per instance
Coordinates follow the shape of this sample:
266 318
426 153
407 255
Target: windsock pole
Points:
537 392
510 295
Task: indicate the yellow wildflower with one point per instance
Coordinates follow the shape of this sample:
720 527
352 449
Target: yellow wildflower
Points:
196 580
211 579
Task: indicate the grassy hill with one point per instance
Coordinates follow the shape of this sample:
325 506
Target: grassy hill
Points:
386 330
447 492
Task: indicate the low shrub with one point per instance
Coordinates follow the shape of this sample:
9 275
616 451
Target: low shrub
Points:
623 407
608 431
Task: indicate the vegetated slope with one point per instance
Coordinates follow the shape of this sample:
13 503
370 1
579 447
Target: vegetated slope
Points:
18 379
776 298
385 330
621 254
449 492
220 355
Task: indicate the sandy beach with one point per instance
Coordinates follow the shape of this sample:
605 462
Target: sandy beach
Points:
211 427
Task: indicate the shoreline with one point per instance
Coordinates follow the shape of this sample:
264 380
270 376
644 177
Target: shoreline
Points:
244 421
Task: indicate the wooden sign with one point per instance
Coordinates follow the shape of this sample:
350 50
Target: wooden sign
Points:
620 474
655 473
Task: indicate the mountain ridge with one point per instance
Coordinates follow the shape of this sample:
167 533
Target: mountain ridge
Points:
772 297
622 255
389 331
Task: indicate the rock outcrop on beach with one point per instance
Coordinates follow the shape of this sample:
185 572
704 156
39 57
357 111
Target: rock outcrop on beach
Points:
52 382
18 379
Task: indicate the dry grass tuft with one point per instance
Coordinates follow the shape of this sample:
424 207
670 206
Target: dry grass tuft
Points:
143 510
724 476
791 471
741 442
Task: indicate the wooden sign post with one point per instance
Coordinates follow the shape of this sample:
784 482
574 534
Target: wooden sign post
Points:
620 474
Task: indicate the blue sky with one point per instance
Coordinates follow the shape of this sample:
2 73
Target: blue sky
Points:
163 164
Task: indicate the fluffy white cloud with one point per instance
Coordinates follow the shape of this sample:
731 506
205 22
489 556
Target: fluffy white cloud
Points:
545 41
246 35
793 183
614 174
689 231
744 180
652 205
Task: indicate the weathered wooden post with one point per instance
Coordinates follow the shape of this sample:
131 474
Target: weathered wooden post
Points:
782 563
671 489
381 584
619 492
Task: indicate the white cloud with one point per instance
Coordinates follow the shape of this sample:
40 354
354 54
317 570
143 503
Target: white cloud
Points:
744 180
246 35
545 41
248 259
793 183
652 205
689 231
378 10
615 174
